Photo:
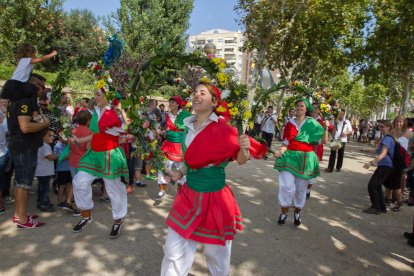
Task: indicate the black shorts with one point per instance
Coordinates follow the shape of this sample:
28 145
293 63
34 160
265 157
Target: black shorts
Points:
393 181
64 178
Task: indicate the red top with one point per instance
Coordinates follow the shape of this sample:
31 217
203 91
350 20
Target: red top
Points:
109 119
290 134
77 152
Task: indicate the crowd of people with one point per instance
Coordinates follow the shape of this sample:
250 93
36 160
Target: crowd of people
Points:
99 148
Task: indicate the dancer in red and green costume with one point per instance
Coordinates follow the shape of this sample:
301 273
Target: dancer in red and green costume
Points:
105 159
296 161
172 146
205 210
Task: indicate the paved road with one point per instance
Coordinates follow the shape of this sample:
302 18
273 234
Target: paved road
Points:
336 238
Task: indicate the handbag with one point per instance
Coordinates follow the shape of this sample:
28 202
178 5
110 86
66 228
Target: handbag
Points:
337 144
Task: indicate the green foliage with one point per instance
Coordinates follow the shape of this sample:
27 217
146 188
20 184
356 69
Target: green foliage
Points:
44 24
305 40
388 57
148 24
6 73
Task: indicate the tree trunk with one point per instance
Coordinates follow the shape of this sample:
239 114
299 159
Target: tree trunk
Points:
405 101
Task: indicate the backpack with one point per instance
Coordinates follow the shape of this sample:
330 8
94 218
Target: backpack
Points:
401 158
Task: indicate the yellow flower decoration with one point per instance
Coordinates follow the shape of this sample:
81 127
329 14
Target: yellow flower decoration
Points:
245 103
234 111
221 63
229 105
100 84
154 143
247 115
221 109
222 78
251 125
205 79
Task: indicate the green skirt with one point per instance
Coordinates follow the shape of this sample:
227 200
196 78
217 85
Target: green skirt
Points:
301 164
109 164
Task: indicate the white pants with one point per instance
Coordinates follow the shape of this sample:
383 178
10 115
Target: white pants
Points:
82 190
292 190
179 254
171 165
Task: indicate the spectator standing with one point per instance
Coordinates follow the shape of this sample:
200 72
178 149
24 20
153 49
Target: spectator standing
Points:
258 123
4 157
45 170
25 139
342 129
269 122
64 179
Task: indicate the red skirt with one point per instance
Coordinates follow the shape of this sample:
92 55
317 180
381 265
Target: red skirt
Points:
173 151
210 217
319 151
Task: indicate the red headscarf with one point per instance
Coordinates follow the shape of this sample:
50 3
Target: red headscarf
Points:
178 100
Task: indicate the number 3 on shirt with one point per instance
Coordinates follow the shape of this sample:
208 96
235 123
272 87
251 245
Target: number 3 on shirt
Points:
24 109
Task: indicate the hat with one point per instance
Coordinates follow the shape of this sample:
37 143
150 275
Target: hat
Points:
309 107
178 100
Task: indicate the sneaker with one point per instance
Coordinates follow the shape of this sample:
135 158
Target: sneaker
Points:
76 212
82 225
8 200
328 170
161 194
105 198
47 209
130 189
297 221
60 205
282 219
371 210
30 223
2 210
140 184
116 230
150 177
32 217
67 207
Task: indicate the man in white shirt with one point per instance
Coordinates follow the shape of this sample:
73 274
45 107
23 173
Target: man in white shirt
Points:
269 122
342 129
258 123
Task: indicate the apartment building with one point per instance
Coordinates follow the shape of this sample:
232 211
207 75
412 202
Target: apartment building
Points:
227 44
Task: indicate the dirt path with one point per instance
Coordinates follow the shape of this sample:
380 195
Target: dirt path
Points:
336 238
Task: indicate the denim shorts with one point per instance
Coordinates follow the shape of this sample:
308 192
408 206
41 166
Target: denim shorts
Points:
24 167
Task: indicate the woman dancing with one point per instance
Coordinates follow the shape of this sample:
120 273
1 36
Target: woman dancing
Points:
296 161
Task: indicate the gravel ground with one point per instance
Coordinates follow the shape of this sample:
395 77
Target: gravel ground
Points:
335 238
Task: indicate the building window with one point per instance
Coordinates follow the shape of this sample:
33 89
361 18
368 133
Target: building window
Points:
220 40
241 39
209 40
